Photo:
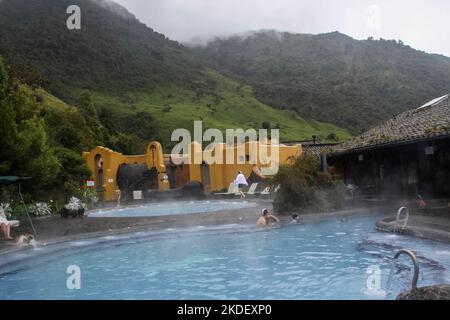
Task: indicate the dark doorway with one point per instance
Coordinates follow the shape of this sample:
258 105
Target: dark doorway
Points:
152 179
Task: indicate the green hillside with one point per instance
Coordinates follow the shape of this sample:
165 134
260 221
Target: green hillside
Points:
231 106
331 77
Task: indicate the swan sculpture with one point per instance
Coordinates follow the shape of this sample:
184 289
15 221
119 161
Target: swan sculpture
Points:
438 292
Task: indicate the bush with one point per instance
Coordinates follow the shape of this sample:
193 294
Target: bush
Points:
303 188
74 171
41 209
89 196
75 204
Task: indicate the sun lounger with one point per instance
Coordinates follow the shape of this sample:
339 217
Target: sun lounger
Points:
266 191
232 190
14 223
252 190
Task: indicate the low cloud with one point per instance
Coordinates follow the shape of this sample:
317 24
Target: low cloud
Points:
418 23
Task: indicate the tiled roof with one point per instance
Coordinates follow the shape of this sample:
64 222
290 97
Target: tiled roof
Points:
316 150
428 121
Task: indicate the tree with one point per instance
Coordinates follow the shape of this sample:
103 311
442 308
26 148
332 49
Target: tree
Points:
74 172
8 126
266 125
89 111
67 127
332 136
305 189
23 140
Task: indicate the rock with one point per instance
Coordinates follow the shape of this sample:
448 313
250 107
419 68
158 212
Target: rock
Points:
66 213
439 292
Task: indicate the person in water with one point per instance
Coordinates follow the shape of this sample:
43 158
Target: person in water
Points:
295 218
241 182
267 219
420 202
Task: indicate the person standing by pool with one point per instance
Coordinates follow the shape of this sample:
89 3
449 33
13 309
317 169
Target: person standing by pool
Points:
267 219
241 182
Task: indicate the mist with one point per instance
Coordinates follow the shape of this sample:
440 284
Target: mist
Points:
417 23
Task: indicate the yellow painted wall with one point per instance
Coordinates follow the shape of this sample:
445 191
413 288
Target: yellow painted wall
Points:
221 175
111 162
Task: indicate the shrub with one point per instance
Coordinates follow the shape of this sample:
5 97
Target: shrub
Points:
75 204
89 196
303 188
41 209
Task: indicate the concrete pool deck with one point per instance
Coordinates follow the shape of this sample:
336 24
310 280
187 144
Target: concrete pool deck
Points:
55 229
430 227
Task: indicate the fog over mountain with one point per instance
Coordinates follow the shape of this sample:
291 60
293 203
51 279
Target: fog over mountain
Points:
407 20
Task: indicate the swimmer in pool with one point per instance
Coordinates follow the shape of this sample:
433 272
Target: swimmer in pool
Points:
295 218
267 219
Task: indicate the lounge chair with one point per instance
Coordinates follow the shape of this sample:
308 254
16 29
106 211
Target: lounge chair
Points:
231 190
14 223
252 190
266 191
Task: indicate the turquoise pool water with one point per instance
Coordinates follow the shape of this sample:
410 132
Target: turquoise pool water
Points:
174 207
317 260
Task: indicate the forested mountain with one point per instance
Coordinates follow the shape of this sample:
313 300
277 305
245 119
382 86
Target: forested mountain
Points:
112 52
134 75
331 77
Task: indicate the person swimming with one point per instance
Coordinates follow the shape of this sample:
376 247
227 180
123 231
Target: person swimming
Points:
267 219
25 239
295 218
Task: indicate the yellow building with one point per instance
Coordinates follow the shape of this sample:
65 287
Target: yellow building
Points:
113 171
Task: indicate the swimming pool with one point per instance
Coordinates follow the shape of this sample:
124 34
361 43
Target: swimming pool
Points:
174 207
316 260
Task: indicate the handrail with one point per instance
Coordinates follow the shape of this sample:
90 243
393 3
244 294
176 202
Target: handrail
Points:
416 264
398 219
26 209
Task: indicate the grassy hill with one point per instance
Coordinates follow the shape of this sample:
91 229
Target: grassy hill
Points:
331 77
231 106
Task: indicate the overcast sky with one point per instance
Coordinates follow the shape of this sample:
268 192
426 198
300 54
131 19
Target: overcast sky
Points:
422 24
